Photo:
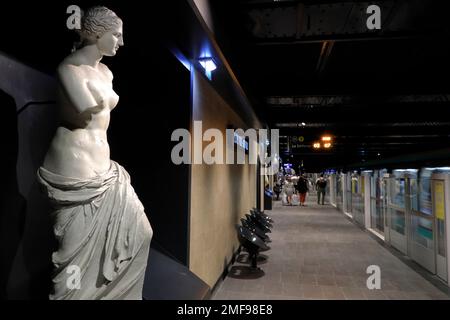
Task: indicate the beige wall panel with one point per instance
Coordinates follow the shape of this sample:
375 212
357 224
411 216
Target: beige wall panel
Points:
220 194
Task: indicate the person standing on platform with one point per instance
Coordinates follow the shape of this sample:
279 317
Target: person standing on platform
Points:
277 190
321 185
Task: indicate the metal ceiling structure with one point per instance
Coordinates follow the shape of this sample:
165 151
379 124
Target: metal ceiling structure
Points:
315 67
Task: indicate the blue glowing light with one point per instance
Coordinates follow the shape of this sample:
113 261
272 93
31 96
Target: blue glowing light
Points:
208 64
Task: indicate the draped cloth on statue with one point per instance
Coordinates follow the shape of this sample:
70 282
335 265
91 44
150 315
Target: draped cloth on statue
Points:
102 232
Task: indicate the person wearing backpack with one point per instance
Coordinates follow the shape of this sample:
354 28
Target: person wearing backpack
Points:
321 185
302 188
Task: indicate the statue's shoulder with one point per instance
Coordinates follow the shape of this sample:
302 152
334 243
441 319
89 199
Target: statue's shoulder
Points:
71 75
105 70
70 65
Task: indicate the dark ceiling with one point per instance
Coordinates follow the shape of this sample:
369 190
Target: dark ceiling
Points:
314 67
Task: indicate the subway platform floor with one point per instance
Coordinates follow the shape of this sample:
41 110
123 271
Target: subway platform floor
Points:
317 253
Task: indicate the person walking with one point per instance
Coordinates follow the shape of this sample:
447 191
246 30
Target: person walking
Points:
302 187
289 189
321 185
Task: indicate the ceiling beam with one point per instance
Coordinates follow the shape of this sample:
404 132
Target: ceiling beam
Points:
306 101
343 38
303 22
354 125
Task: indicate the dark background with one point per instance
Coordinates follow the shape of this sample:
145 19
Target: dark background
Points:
382 94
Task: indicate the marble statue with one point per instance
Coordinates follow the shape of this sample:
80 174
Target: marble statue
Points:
102 231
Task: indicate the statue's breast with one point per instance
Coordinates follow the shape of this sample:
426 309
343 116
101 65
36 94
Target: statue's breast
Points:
103 93
113 100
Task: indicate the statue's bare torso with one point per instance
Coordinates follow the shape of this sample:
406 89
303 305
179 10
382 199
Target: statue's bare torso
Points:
80 147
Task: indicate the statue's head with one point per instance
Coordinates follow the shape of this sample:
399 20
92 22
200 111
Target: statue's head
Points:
102 27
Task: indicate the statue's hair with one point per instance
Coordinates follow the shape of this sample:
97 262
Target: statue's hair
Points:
95 22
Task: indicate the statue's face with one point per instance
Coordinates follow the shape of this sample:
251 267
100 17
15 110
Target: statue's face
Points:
111 40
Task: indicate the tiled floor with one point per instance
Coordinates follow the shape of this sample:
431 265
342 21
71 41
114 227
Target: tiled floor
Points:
316 253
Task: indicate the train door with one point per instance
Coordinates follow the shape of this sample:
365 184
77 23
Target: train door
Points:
378 203
396 209
422 230
440 191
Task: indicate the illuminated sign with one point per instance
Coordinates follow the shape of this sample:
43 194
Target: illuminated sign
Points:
297 142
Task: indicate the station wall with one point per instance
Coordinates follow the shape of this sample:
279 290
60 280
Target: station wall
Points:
220 194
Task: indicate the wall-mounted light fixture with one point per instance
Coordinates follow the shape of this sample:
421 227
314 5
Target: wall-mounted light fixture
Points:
316 145
208 65
327 145
326 138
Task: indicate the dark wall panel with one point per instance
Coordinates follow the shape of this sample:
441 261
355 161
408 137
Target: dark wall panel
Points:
25 228
154 100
